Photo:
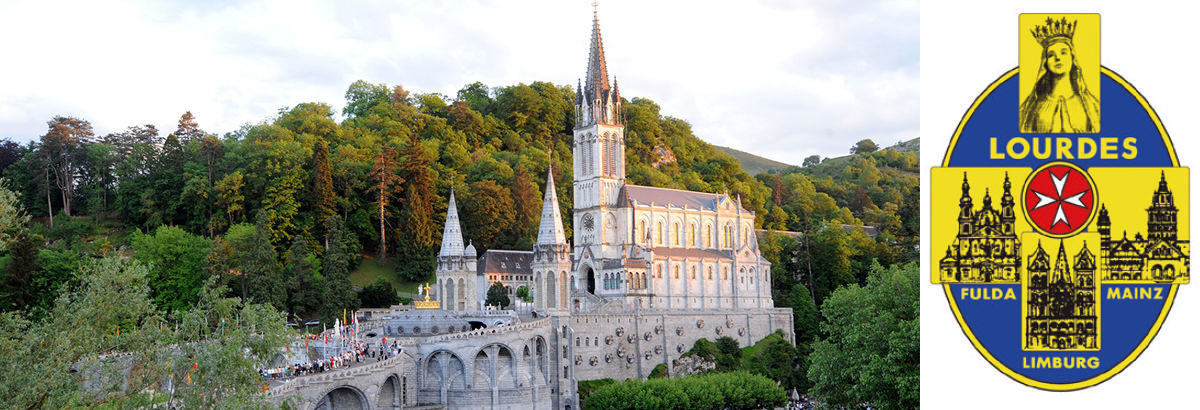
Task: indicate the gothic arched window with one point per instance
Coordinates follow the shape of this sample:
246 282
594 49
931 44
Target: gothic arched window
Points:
707 236
691 235
675 234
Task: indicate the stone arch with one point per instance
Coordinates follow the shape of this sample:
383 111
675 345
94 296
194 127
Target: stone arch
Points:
343 397
562 291
443 370
551 291
495 367
462 295
589 275
539 290
541 355
389 393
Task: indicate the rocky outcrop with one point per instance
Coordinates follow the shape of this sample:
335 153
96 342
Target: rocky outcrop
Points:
691 365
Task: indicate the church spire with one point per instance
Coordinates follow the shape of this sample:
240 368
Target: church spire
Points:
452 240
598 102
550 231
597 71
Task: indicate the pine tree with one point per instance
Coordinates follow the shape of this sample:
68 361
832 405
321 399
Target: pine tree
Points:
19 275
188 129
385 180
419 225
304 292
338 293
323 195
61 151
262 267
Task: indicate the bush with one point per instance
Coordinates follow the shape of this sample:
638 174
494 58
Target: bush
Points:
735 390
379 295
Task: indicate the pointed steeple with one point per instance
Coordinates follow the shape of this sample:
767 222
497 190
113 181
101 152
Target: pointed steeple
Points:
550 231
1062 270
597 71
452 239
597 101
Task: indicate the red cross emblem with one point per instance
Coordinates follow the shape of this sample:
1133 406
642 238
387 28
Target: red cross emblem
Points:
1059 199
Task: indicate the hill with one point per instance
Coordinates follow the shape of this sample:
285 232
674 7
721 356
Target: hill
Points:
913 145
753 164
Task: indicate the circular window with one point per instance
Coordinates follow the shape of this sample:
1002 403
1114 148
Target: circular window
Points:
679 348
400 329
608 340
416 329
679 331
700 324
742 331
608 358
434 330
648 336
594 360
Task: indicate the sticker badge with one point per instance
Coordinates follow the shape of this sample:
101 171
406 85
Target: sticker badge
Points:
1060 214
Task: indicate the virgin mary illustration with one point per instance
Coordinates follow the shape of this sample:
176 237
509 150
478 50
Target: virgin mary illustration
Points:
1060 100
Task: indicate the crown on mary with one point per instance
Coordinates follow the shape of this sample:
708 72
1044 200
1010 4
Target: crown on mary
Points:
1054 29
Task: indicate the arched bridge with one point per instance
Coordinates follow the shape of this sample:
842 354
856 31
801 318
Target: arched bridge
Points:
492 368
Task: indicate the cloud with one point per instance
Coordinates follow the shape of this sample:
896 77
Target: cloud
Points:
779 78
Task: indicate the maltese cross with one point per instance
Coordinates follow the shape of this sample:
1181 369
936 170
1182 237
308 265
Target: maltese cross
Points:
1059 199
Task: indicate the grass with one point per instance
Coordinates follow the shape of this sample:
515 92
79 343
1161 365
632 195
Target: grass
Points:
370 268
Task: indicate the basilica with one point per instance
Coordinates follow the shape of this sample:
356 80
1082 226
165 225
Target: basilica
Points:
986 249
634 247
647 273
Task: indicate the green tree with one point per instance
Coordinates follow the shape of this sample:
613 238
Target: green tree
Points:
488 214
523 293
730 353
339 294
528 208
778 360
420 228
61 150
379 294
20 273
497 295
811 160
302 279
324 198
362 96
265 283
216 343
12 216
176 260
865 146
871 352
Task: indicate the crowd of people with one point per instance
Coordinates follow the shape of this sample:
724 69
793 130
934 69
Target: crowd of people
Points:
357 351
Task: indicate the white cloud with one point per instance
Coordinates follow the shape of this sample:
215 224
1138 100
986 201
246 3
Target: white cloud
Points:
781 79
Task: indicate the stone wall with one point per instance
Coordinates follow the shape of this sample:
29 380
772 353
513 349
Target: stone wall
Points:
622 346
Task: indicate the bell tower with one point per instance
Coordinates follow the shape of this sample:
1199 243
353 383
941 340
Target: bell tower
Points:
599 151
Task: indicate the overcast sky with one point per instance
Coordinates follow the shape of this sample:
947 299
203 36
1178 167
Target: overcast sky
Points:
782 79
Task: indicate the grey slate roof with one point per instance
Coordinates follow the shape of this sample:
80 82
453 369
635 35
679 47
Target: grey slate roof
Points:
691 253
665 196
502 261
